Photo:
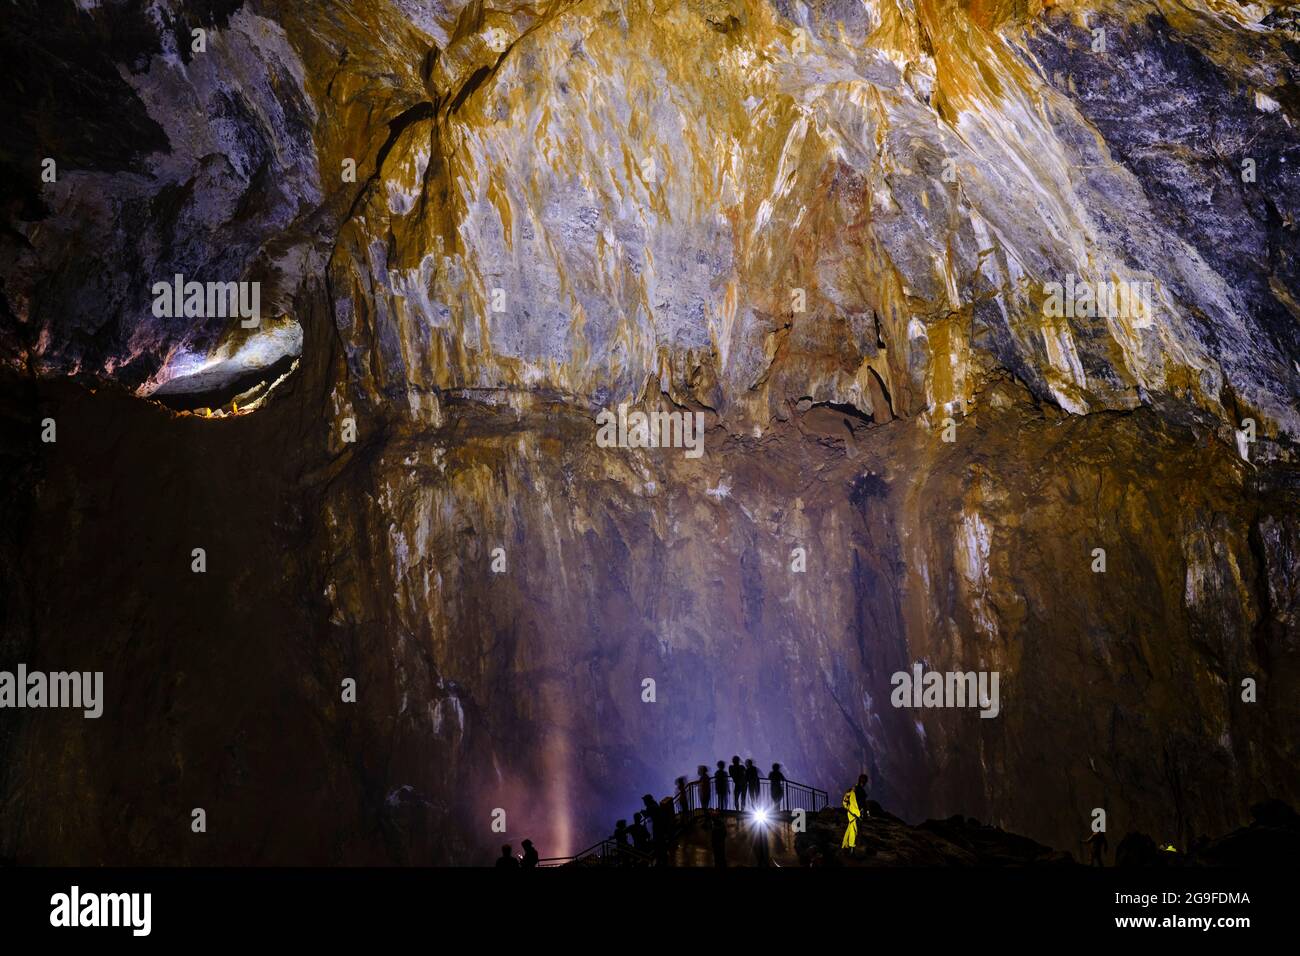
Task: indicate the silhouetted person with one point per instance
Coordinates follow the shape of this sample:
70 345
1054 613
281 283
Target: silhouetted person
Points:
667 819
640 835
776 783
1097 845
659 825
530 855
718 840
667 813
620 833
855 802
705 784
738 782
507 859
683 795
860 791
751 782
652 815
720 784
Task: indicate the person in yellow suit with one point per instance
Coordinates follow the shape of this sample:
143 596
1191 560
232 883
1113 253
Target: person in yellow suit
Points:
855 801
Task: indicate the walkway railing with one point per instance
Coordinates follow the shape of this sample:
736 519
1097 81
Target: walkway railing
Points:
608 852
790 796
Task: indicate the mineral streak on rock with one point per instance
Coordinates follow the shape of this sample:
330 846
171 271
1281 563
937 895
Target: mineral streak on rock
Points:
840 230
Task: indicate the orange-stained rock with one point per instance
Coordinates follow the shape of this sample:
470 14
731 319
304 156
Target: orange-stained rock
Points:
853 237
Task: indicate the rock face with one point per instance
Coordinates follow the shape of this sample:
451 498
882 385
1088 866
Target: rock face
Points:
973 300
885 840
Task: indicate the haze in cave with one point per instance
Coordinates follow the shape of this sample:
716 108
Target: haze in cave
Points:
443 423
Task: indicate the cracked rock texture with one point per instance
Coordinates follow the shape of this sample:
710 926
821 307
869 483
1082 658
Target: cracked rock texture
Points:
831 228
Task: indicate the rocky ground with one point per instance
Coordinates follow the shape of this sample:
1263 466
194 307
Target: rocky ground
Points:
1272 839
828 228
885 840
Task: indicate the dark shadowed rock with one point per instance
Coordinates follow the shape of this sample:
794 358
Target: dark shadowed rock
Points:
830 230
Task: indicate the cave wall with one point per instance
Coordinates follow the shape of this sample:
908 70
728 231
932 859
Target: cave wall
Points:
1119 689
647 185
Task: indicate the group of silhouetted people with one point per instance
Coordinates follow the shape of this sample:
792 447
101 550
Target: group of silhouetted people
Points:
508 860
654 827
661 818
741 782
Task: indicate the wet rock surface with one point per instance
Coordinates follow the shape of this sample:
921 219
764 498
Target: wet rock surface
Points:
830 231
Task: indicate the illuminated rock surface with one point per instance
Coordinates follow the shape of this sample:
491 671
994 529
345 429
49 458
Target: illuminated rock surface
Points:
832 229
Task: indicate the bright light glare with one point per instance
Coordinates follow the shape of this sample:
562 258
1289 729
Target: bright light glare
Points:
760 817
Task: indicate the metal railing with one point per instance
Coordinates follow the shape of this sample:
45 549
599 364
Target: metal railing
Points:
789 796
608 852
